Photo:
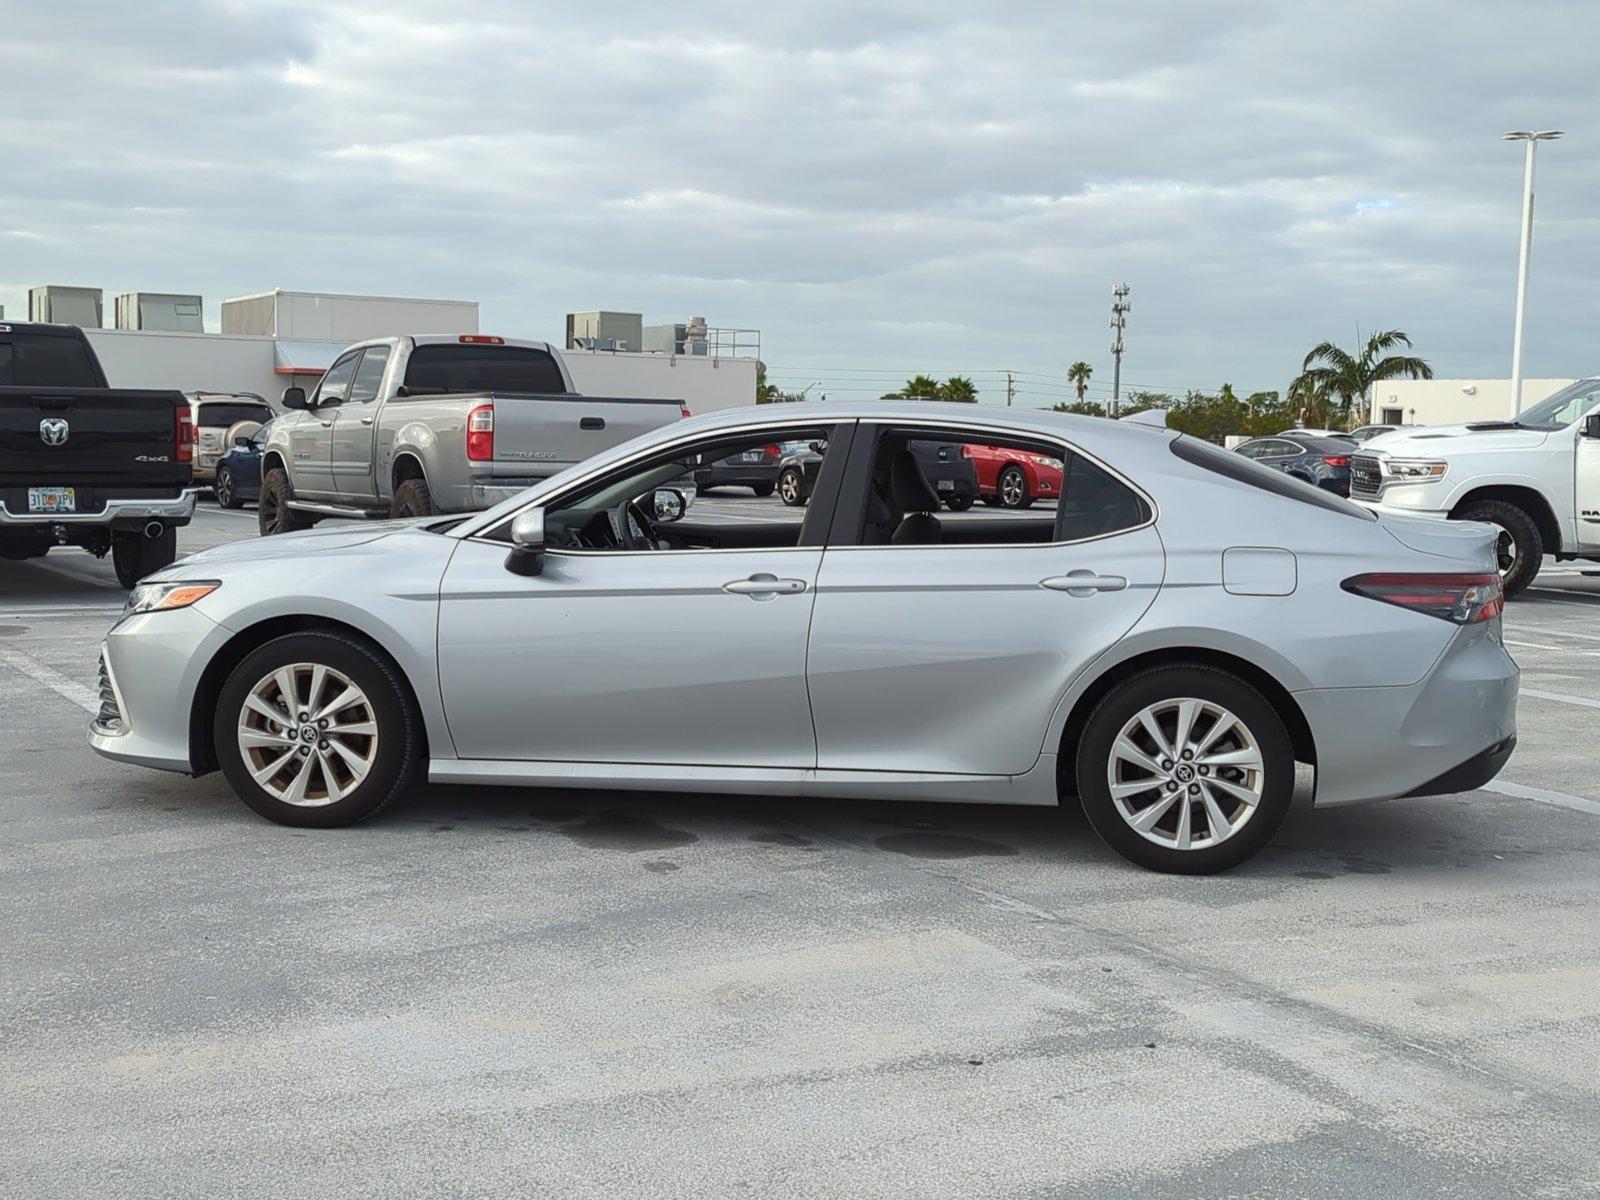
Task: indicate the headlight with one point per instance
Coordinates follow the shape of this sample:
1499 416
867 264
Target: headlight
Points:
1414 470
1046 462
155 597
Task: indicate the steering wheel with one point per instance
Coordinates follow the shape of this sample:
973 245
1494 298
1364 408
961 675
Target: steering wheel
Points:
633 528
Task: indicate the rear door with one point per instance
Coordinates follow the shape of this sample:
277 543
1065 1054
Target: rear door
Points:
352 453
311 438
951 655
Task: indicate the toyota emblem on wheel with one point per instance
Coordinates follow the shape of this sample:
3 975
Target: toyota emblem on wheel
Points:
53 431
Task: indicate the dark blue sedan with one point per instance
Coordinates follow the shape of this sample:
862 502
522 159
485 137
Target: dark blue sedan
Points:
239 470
1322 461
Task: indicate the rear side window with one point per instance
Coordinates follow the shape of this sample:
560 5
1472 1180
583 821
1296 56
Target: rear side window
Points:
443 368
1240 469
220 416
46 362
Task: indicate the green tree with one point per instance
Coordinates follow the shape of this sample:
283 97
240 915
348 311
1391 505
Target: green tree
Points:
1078 375
958 389
1084 408
771 393
1331 372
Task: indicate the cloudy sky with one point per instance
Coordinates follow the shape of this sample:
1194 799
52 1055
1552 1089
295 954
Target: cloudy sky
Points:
880 188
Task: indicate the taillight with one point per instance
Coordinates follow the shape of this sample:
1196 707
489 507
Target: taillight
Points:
683 411
966 452
1336 460
772 451
481 339
1465 598
480 434
183 433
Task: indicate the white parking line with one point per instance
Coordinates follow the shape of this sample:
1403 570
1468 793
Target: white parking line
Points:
1561 697
67 688
1529 645
1544 796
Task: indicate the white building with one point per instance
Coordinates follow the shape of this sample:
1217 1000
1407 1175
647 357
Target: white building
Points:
1453 401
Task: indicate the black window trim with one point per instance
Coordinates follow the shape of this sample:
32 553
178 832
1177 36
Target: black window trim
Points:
1226 464
849 518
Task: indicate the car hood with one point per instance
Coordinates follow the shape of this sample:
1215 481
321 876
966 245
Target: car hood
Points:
1443 441
287 545
1467 543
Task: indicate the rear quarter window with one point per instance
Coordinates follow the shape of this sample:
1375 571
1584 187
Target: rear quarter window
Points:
1241 470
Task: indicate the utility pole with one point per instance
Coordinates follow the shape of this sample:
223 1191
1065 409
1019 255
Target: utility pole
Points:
1533 137
1010 390
1120 308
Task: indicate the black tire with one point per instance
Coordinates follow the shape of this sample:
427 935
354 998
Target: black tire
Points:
134 555
990 501
763 490
21 551
400 748
1020 497
1519 550
412 499
958 503
226 490
273 514
791 488
1152 687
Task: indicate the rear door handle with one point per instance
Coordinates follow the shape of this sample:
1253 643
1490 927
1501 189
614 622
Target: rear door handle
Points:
764 587
366 420
327 424
1084 583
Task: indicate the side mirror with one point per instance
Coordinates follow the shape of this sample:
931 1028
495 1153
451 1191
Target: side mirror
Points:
527 543
294 397
241 443
668 505
819 447
1591 425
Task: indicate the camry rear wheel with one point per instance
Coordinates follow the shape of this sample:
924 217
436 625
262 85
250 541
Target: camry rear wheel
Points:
317 729
1185 769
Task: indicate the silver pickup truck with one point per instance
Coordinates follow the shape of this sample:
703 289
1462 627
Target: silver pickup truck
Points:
409 426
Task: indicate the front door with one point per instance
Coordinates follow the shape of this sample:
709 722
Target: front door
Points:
311 439
1586 490
353 445
948 649
681 644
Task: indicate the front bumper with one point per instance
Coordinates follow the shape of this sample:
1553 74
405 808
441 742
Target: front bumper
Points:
173 510
1376 743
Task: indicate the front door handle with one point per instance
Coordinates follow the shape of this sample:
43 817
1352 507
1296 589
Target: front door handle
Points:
1084 583
327 424
763 586
366 420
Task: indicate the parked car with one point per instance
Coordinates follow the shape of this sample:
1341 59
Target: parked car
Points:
238 480
1535 479
1009 478
219 419
948 470
1366 433
756 469
798 471
82 464
1324 462
1161 646
409 426
1303 431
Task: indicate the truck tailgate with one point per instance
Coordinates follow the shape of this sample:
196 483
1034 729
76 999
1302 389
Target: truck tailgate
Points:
110 440
555 431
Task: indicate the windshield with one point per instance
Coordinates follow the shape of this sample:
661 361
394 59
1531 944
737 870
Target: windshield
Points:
1566 406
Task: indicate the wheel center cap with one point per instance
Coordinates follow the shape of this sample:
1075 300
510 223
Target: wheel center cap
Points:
308 733
1184 773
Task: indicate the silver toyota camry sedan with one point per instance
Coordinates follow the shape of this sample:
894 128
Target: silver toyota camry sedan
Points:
1161 640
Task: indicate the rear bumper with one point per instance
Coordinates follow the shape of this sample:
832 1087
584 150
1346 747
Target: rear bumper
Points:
1474 773
173 510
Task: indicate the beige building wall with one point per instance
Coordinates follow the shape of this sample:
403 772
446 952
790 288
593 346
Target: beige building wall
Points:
1453 401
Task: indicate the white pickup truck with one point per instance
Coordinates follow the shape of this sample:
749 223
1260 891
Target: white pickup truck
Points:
410 426
1536 478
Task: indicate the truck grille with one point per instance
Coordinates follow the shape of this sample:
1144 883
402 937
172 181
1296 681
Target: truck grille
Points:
109 718
1366 477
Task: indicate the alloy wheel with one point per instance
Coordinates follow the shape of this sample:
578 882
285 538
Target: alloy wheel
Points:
1013 487
224 486
1186 774
1505 550
308 734
789 487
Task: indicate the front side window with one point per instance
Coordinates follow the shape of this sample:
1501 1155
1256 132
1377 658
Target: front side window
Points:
746 490
1566 406
946 489
335 384
369 375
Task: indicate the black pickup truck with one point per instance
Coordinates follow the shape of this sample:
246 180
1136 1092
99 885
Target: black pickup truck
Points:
83 464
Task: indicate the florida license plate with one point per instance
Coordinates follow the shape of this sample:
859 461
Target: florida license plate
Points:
947 485
52 500
752 456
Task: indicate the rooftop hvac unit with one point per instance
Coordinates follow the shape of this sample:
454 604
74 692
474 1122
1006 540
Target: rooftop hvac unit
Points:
65 305
161 311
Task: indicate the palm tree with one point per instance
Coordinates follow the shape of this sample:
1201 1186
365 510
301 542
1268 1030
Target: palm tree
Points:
960 389
1331 371
1078 375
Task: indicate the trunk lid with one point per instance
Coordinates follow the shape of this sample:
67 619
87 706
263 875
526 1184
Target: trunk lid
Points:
1469 544
551 432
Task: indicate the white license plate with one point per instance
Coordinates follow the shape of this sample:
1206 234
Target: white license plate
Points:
752 456
946 485
52 500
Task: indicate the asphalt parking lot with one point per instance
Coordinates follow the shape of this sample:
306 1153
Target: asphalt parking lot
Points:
494 992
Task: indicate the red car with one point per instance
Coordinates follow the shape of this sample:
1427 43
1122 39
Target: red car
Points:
1013 478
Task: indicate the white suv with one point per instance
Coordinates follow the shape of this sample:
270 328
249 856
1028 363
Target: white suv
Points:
1536 478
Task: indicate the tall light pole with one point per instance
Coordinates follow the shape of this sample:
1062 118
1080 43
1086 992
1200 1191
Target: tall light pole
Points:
1532 137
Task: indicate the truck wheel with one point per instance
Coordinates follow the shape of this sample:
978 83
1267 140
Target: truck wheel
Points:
317 729
134 555
273 514
1519 549
412 499
1185 769
227 492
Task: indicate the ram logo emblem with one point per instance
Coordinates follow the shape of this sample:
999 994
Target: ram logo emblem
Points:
53 431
